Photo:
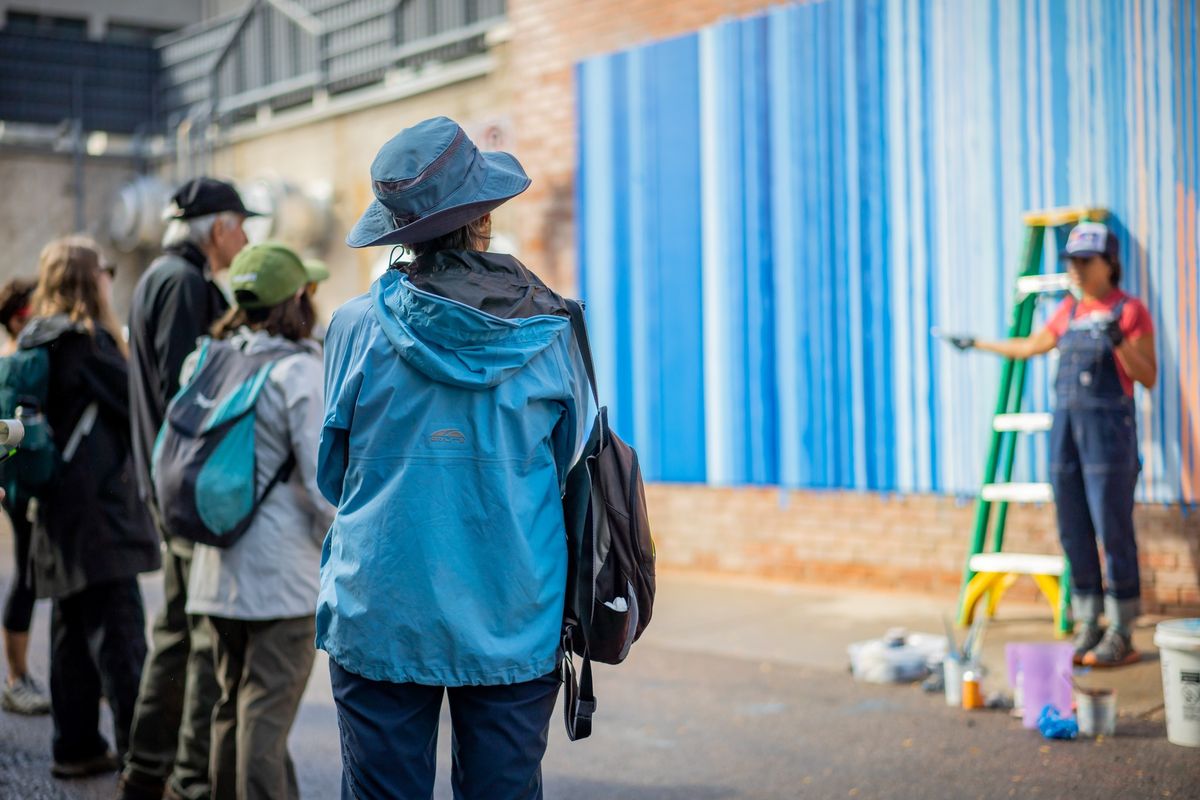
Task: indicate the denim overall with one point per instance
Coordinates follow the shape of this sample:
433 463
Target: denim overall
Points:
1094 462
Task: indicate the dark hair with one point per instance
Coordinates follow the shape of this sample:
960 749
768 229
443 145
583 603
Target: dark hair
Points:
15 297
465 238
1114 265
293 319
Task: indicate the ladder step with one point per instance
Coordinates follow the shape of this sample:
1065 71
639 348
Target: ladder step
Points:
1043 284
1017 563
1028 422
1063 215
1018 493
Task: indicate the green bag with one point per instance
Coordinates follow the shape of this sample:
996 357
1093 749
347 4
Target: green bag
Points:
24 384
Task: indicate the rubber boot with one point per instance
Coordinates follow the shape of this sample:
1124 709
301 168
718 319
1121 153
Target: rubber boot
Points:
1088 633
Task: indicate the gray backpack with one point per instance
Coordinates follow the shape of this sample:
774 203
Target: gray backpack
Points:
204 465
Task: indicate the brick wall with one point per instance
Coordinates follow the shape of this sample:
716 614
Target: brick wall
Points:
548 38
909 542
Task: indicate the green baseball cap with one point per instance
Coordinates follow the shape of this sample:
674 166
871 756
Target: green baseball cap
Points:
317 271
265 275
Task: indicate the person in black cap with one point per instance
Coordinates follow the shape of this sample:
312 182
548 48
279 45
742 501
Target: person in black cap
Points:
175 303
1105 341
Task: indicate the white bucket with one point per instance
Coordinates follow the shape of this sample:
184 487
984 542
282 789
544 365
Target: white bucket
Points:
1178 641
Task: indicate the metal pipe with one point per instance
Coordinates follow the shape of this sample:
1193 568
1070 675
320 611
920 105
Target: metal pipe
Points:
77 148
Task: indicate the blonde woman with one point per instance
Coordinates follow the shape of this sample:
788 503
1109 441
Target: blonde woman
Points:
92 538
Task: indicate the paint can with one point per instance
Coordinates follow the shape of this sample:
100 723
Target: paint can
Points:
1096 711
972 692
1178 643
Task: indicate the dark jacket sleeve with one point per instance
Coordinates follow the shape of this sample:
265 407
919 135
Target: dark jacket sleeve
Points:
183 309
101 372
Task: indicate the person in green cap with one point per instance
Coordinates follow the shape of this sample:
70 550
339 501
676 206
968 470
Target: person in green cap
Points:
258 595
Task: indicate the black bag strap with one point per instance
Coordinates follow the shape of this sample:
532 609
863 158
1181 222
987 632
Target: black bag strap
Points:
282 475
579 326
580 703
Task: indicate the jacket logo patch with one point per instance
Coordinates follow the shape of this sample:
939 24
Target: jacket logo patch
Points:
447 436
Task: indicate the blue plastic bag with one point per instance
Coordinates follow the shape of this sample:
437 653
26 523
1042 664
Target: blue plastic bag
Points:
1055 726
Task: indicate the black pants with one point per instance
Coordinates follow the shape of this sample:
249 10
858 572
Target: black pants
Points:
262 667
172 723
97 648
389 737
18 607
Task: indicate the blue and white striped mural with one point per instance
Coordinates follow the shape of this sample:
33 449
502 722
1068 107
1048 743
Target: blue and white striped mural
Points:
774 212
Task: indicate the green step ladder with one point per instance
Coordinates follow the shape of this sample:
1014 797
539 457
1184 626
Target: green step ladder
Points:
990 571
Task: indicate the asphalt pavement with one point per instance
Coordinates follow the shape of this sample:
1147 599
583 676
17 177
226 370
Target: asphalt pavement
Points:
739 690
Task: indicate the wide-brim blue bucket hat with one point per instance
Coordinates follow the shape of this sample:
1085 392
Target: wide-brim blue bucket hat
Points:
431 179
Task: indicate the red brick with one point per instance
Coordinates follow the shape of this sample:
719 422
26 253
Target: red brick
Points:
854 538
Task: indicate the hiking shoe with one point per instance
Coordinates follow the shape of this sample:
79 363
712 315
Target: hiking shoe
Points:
25 696
133 789
1114 650
1086 639
97 765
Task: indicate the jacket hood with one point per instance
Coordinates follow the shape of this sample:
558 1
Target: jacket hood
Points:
41 331
451 342
254 342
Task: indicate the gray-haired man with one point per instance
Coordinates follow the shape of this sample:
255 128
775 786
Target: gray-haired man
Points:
175 303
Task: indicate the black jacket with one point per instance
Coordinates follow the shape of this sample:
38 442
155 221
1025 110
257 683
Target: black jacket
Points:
91 528
174 304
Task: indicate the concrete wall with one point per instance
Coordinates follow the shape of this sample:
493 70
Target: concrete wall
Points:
38 204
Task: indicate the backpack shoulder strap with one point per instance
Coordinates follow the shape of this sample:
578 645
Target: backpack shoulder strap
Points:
579 702
579 326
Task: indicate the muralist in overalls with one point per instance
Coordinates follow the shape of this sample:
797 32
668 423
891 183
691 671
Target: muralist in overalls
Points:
1105 340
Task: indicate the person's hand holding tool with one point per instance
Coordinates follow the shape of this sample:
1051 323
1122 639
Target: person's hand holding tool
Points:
959 340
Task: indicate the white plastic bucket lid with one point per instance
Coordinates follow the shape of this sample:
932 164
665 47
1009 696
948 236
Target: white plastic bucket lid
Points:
1178 634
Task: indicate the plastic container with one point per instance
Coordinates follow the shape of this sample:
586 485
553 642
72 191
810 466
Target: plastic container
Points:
1043 673
972 692
1096 711
897 657
952 669
1178 642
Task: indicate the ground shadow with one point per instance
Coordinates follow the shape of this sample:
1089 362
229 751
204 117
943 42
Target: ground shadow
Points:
585 789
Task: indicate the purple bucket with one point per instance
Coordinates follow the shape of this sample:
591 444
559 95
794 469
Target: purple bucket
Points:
1040 673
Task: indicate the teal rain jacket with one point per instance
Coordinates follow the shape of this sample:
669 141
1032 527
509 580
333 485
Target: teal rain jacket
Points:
447 436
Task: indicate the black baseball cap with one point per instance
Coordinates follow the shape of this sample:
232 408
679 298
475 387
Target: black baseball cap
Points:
201 196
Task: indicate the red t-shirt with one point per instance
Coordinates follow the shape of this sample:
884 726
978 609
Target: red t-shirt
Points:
1135 321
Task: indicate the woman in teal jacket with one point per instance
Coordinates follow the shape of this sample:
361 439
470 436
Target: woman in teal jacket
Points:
455 404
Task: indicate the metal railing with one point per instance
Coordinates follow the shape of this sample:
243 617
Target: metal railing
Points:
282 53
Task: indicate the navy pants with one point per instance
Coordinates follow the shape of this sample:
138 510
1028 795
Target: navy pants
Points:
389 737
1094 469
